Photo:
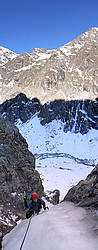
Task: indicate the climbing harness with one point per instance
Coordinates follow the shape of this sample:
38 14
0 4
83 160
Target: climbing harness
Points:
26 232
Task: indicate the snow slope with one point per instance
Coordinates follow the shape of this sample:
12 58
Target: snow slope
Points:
50 138
63 227
60 156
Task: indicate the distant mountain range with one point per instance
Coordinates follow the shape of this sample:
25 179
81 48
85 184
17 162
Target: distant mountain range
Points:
68 73
77 116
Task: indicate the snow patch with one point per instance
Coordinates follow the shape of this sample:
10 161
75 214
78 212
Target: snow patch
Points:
79 72
43 56
25 68
14 193
66 50
10 84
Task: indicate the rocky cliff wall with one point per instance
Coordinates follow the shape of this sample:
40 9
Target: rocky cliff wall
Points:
17 174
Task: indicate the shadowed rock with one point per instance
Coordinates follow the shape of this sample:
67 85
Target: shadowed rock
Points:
78 116
53 196
85 193
17 174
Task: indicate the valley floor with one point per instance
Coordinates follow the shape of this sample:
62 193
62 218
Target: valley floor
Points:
61 173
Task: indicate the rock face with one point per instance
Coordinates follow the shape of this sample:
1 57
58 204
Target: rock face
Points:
77 116
68 73
85 193
17 174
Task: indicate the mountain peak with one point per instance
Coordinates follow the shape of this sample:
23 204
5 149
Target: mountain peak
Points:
6 55
94 28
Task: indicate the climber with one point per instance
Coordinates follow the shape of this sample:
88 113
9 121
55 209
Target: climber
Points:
34 205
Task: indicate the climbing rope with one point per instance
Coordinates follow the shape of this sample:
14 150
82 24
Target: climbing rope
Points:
26 232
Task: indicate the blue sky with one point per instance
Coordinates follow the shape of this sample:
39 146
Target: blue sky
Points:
49 24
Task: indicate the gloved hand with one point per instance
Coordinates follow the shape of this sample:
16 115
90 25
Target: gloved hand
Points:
46 208
25 197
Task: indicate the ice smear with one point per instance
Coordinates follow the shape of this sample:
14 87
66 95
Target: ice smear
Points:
64 226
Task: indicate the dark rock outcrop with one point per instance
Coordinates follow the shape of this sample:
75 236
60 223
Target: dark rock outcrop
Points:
85 193
78 116
19 107
17 174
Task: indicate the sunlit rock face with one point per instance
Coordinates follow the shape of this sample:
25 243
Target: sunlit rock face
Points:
68 73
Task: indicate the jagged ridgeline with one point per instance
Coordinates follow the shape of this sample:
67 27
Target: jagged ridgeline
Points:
69 73
77 116
17 174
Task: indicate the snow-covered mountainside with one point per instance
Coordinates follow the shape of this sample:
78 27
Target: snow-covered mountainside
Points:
70 72
64 226
77 116
51 139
